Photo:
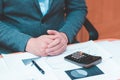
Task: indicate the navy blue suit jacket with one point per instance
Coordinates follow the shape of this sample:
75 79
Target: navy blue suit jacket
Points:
22 19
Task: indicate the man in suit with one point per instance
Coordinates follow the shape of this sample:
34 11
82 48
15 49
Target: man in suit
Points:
41 27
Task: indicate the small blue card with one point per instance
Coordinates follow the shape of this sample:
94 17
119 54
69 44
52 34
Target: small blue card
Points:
83 72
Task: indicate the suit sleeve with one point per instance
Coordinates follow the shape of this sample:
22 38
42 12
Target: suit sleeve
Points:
76 11
10 37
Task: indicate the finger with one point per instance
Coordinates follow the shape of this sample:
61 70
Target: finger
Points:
52 49
58 51
51 37
43 54
54 43
40 52
52 32
48 40
45 39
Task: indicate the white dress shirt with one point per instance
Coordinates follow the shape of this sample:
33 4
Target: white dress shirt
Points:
44 6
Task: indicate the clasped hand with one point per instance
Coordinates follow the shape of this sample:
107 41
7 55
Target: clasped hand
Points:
54 43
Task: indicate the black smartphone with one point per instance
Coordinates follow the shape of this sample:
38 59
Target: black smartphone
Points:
83 59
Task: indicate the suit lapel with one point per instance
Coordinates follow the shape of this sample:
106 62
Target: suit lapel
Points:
50 3
38 6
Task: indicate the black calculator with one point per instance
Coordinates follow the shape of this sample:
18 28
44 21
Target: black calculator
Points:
83 59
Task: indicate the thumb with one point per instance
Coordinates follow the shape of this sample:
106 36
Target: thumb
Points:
52 32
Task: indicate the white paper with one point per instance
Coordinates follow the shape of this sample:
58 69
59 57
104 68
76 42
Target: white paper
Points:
56 66
59 65
113 48
3 66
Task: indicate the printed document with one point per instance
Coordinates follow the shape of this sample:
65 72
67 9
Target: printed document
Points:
57 68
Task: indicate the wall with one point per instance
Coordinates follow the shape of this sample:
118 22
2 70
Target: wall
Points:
105 16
